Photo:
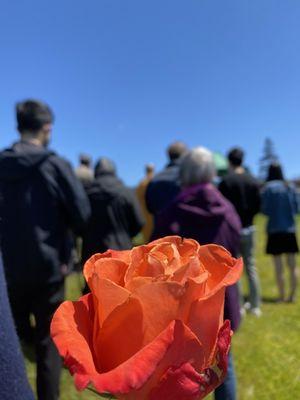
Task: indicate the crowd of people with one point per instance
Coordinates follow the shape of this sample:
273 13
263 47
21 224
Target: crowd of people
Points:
49 212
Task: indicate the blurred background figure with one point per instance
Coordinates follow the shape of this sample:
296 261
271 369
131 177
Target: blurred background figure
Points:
84 171
116 216
141 195
164 187
242 190
41 202
201 212
85 174
280 205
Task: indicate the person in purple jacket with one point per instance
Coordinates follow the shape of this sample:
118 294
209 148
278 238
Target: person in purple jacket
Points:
201 212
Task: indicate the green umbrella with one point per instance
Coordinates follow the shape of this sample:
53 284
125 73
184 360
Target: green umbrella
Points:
221 163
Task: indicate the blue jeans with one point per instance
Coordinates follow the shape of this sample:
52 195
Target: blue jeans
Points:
227 391
247 252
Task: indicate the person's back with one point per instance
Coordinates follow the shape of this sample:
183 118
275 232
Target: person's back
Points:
200 212
41 201
165 185
242 190
279 203
37 211
116 217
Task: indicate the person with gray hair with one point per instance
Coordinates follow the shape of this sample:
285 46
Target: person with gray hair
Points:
201 212
197 167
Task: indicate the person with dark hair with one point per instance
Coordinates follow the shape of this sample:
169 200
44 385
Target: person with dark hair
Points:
116 216
275 172
41 201
280 205
242 190
165 186
85 172
141 195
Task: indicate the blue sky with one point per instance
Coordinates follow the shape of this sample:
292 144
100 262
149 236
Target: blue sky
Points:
127 77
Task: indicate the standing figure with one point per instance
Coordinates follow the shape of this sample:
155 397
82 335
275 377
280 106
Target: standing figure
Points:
201 212
141 195
165 186
41 200
280 205
242 190
84 171
116 216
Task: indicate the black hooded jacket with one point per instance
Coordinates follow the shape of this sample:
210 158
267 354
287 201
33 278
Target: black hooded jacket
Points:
116 216
41 201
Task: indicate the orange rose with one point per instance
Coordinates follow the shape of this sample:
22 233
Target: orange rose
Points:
152 326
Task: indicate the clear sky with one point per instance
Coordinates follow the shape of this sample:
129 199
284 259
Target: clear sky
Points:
126 77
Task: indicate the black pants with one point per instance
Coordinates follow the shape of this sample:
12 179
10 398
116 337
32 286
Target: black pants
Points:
40 301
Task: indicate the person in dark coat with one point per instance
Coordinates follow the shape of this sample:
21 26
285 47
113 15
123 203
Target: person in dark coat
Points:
201 212
41 202
116 216
242 190
14 384
165 185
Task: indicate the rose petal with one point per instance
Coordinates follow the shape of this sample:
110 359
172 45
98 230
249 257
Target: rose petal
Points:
223 268
107 296
205 319
160 302
121 335
185 382
185 346
72 333
107 268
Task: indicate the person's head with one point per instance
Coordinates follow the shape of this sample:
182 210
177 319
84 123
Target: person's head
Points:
85 160
176 150
275 172
197 166
34 119
105 166
149 169
235 157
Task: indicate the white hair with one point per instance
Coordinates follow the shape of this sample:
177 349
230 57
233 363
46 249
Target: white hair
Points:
197 166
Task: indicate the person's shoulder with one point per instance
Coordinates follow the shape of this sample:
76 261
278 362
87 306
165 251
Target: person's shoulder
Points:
275 187
126 192
251 179
169 173
59 162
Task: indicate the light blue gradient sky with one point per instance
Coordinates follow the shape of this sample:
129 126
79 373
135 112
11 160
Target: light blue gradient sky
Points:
126 77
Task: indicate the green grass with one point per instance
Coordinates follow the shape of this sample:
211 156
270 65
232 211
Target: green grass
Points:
266 350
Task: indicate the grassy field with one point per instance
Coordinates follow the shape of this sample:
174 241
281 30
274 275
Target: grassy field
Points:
266 349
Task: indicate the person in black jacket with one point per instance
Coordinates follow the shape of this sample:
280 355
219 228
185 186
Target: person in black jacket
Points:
116 215
165 185
41 202
242 190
